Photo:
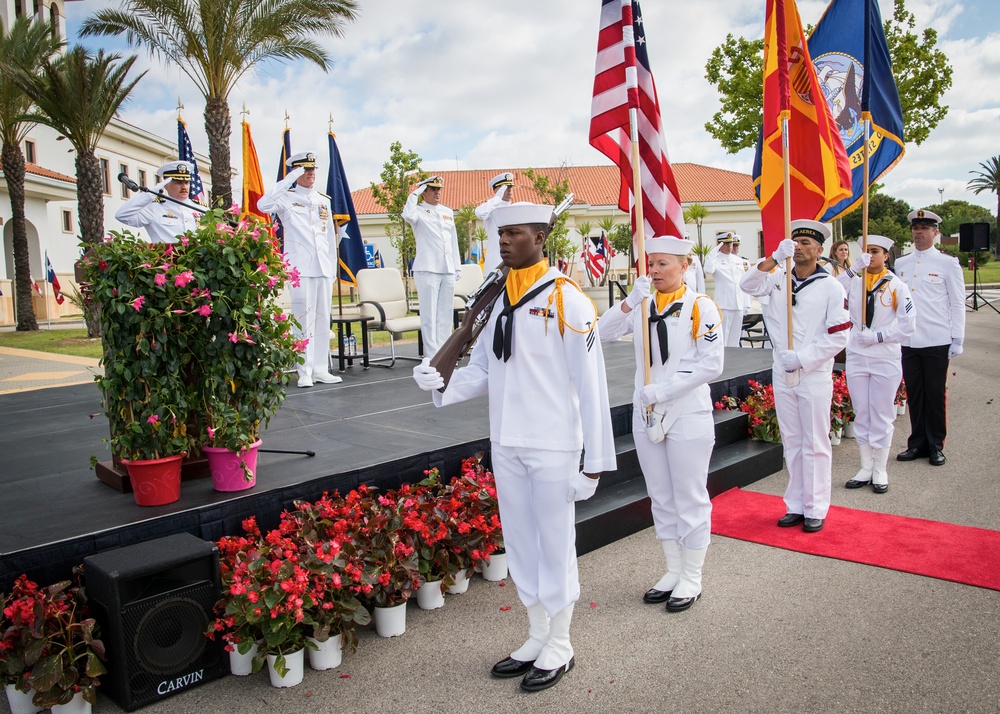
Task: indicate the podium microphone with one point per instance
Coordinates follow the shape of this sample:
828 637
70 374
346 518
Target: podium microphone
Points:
127 182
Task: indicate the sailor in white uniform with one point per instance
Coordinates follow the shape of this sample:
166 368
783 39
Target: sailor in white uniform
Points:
728 268
437 264
686 353
938 289
694 274
502 186
873 366
163 220
803 376
539 359
311 248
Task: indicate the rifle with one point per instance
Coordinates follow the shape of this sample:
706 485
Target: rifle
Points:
477 314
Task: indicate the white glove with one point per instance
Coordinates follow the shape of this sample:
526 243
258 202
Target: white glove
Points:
789 360
158 188
863 261
500 192
581 487
785 250
458 275
867 338
650 395
427 377
640 291
296 173
956 349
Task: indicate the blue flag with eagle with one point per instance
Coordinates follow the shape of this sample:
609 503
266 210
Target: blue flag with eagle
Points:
351 247
851 56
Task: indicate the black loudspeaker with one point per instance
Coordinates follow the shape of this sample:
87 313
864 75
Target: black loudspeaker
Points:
973 237
153 602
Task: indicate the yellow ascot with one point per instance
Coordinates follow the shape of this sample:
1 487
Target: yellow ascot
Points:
519 281
665 299
871 279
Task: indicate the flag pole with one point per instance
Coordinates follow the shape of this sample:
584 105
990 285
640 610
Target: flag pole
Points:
640 239
866 117
787 190
45 291
340 294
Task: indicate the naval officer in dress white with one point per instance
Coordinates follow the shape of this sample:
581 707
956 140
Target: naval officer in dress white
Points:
162 220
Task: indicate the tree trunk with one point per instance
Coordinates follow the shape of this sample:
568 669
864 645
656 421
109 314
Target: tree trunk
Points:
13 171
90 215
219 127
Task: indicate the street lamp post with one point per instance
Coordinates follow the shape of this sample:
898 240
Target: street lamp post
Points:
941 195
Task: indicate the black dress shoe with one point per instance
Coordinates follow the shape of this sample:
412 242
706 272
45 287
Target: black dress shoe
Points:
510 667
911 455
680 604
790 519
656 596
811 525
538 679
937 458
880 487
854 483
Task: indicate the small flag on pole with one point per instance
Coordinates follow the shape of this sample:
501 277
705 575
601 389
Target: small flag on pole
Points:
186 153
50 275
351 247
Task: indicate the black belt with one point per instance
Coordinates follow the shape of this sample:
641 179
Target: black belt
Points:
503 332
661 330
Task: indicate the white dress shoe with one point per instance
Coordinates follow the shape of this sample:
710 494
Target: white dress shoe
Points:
326 378
305 382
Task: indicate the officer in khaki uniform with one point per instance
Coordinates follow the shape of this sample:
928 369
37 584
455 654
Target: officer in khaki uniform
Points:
311 247
163 220
937 285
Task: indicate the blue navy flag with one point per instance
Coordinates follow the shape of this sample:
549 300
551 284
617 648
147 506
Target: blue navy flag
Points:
286 151
852 61
186 153
352 247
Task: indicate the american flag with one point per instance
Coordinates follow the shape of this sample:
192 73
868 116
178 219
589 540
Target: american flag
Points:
622 81
186 153
595 260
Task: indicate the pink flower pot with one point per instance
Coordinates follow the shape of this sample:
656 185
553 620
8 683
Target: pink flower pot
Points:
155 482
227 467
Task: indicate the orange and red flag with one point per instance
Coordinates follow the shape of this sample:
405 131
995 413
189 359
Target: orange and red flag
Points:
253 182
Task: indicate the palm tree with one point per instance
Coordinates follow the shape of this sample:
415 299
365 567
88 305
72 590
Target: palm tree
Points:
25 46
988 180
77 95
466 218
696 213
215 42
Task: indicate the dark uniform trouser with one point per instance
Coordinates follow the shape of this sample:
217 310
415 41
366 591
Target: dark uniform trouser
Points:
925 371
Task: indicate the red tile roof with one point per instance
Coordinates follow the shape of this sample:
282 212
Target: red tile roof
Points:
46 173
593 185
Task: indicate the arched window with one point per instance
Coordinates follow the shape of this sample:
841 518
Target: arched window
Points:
54 17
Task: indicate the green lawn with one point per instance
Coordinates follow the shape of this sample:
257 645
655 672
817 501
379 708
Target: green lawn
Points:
66 342
988 273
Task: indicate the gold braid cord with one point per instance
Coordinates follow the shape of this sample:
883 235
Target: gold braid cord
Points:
557 295
696 319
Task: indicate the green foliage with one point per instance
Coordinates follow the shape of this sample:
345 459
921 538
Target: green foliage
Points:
465 227
886 217
921 70
964 257
558 244
25 46
954 213
399 174
620 238
696 213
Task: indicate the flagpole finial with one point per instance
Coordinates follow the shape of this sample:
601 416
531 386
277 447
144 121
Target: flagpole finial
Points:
246 112
180 106
286 118
331 122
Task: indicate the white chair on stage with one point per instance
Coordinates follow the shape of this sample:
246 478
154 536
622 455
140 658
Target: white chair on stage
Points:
381 296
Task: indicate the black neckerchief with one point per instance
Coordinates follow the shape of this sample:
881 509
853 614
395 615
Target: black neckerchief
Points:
870 297
503 332
659 321
798 285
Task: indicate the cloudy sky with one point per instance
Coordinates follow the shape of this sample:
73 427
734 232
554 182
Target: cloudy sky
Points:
470 84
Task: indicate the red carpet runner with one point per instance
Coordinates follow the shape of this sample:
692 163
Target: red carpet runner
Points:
938 550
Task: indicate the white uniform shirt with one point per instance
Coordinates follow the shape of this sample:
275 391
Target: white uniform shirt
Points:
310 233
694 276
435 236
484 213
728 270
163 220
893 315
820 321
937 286
701 359
552 393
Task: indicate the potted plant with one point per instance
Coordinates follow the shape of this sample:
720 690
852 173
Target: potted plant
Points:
900 400
470 500
51 645
841 411
231 622
19 650
428 519
760 410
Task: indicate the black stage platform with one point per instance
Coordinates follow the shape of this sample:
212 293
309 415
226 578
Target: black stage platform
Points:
375 428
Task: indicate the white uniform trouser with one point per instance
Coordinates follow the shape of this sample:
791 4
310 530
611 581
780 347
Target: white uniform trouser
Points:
732 326
873 383
436 292
311 306
539 524
676 474
804 421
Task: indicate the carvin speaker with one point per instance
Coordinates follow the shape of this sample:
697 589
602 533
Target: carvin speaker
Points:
973 237
153 602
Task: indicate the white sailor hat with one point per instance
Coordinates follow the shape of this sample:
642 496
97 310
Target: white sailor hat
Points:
517 214
923 217
175 170
432 182
726 237
670 245
811 229
504 179
881 242
306 160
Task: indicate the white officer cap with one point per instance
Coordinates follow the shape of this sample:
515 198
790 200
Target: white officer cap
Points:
432 182
175 170
504 179
881 242
517 214
306 160
726 237
923 217
670 245
811 229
